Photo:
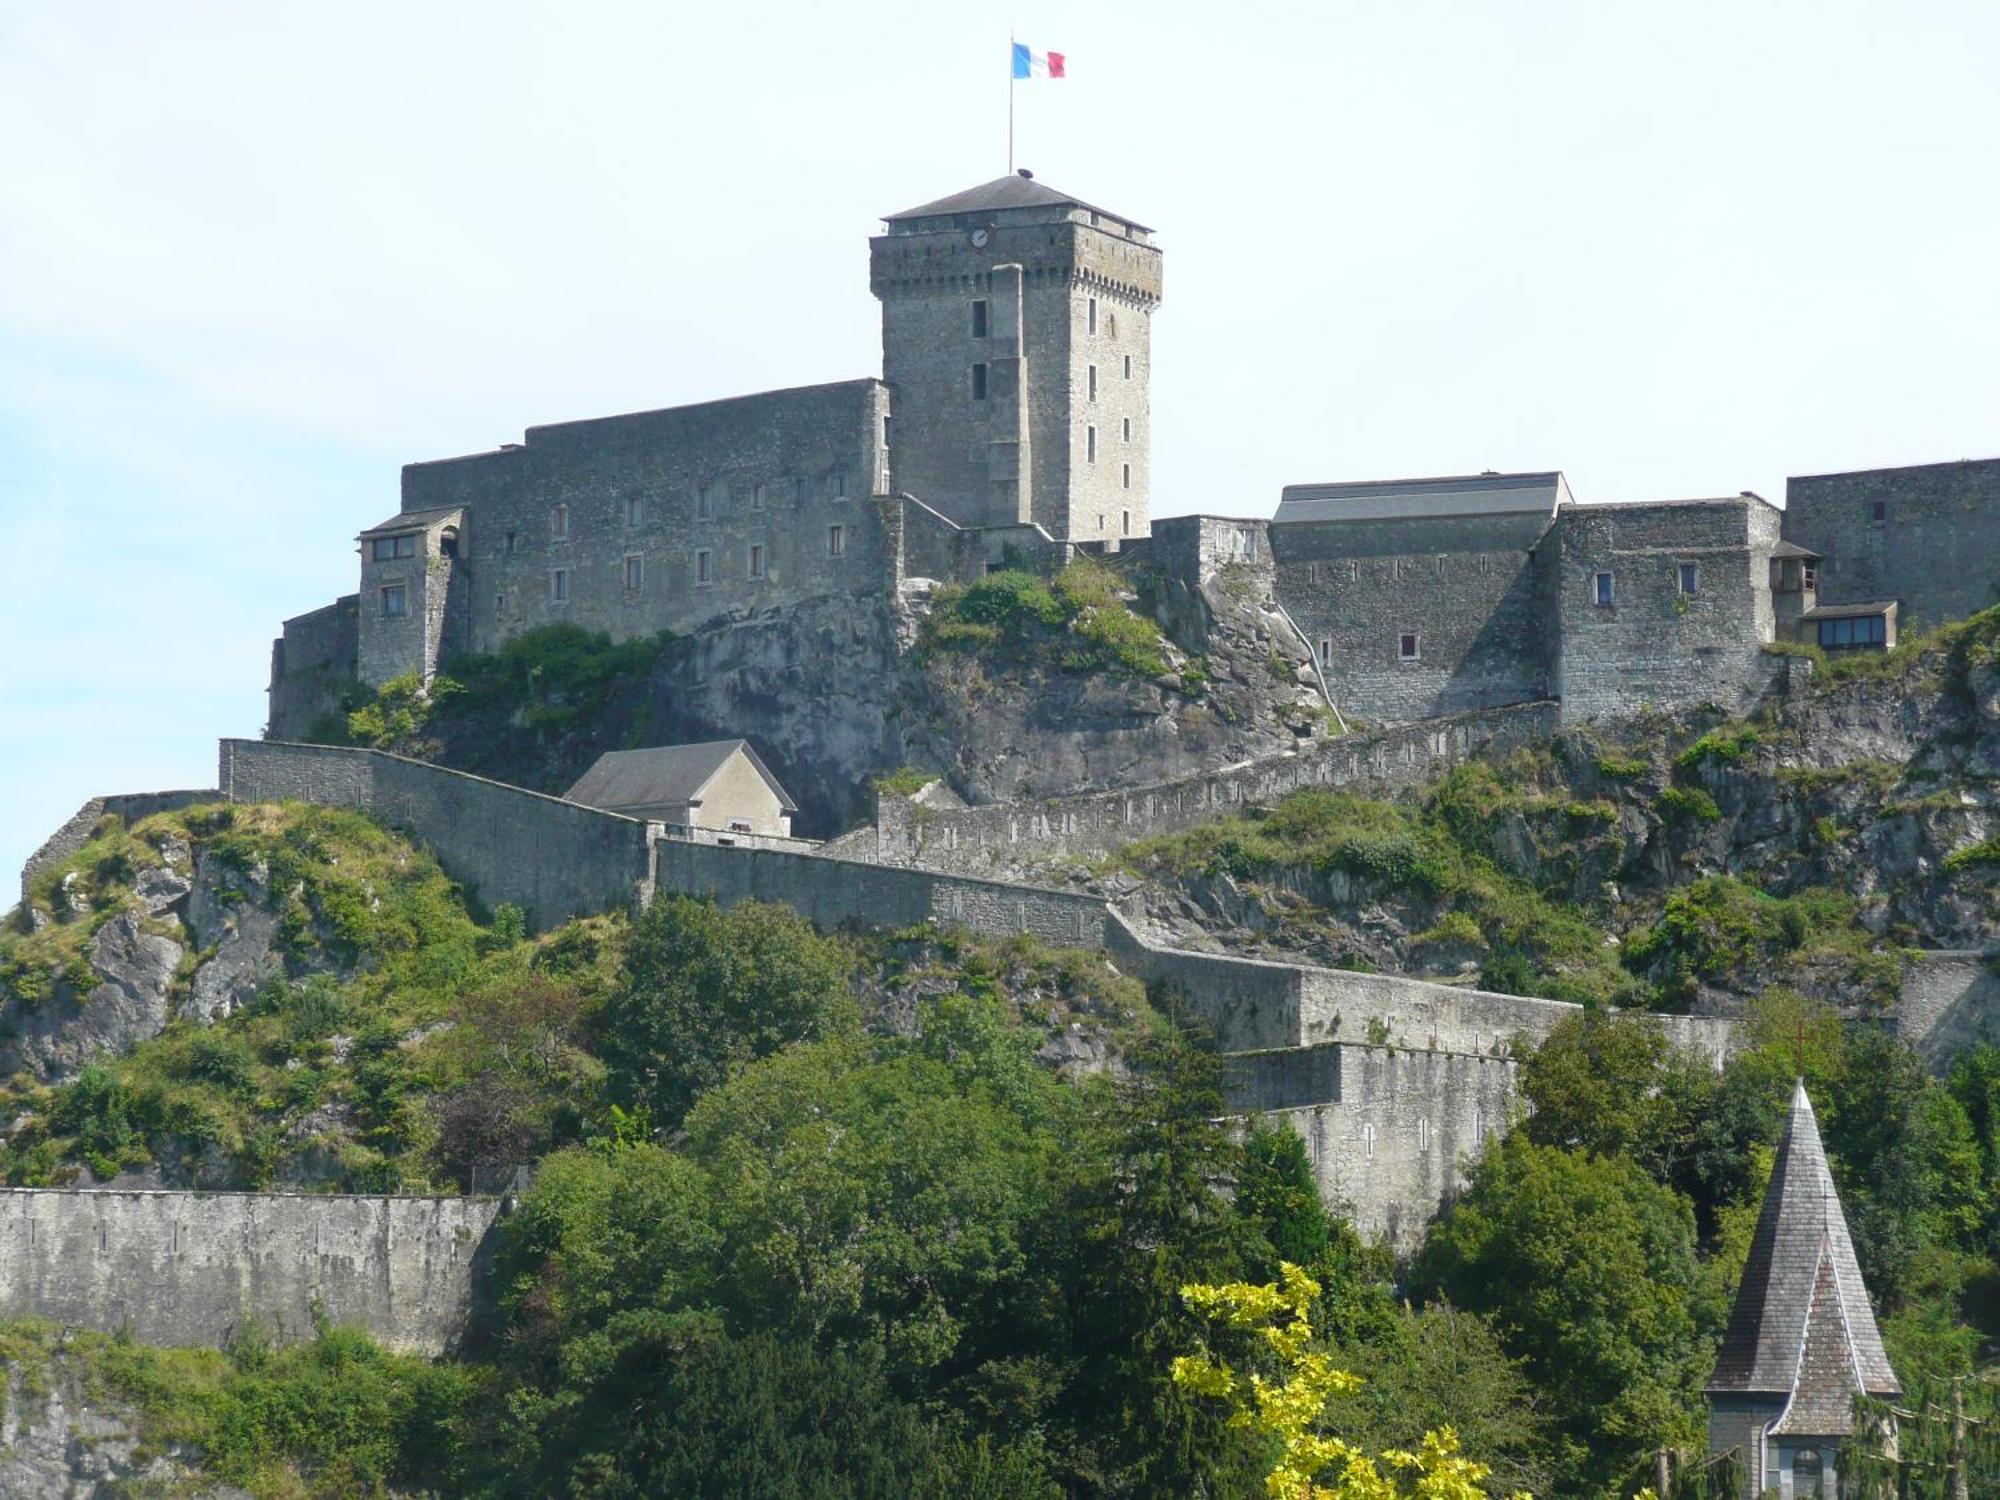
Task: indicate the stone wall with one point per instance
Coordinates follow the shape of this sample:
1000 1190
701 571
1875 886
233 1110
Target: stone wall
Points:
553 859
775 472
78 827
1950 1002
1652 645
1464 586
1005 835
192 1268
314 658
1931 550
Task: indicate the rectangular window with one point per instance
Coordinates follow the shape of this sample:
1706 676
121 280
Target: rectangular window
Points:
1128 367
1408 647
558 585
836 486
704 504
1127 521
635 510
836 540
756 559
1125 475
1845 635
1092 372
1092 315
704 566
395 601
387 547
1811 576
799 490
1090 445
1128 429
510 544
559 523
1601 589
979 319
1689 576
979 382
756 497
1878 511
635 573
1325 651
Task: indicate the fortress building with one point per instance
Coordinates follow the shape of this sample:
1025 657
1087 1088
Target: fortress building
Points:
1011 425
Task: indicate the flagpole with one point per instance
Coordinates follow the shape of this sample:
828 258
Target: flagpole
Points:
1010 101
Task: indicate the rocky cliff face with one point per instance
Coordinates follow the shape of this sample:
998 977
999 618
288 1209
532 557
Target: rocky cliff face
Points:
59 1440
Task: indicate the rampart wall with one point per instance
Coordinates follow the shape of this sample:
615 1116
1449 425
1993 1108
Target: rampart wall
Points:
313 660
1935 519
553 859
77 828
193 1268
999 836
1950 1002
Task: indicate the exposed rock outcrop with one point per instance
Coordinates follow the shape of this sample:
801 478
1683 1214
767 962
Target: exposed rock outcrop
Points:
59 1442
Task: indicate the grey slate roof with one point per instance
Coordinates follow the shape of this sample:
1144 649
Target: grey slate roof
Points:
1403 499
1842 611
1792 549
1822 1403
411 520
1801 1292
624 779
1014 191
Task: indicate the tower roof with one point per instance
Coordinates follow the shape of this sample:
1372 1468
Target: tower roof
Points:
1016 190
1802 1325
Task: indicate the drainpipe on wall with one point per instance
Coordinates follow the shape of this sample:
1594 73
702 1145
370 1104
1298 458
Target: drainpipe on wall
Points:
1312 656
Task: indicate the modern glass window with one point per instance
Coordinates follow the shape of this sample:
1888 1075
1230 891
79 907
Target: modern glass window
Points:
1856 631
635 573
1409 646
1600 588
395 601
979 319
756 559
836 540
558 585
979 382
387 547
559 523
1689 577
704 566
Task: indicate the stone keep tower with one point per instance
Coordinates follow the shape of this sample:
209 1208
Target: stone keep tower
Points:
1017 341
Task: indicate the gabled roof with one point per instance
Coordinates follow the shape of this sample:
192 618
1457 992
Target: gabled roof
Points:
1802 1310
1011 191
1402 499
414 520
624 779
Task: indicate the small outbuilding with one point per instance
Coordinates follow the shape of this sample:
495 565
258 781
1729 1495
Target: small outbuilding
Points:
720 784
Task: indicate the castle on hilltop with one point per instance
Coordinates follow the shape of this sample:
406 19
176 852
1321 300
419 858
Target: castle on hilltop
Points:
1011 426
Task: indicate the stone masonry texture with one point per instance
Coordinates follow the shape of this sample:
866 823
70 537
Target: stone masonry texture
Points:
194 1268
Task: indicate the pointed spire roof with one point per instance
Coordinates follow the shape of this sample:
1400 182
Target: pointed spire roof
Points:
1802 1326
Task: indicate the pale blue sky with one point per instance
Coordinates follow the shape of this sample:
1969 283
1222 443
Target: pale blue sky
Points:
255 257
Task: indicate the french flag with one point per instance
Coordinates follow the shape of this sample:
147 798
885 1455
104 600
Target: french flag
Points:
1036 64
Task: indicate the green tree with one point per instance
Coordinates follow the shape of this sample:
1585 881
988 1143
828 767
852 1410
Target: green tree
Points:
1587 1267
706 990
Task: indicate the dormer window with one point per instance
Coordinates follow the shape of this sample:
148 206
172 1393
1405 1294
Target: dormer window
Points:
387 547
559 524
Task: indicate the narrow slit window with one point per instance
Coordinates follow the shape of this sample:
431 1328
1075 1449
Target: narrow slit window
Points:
836 485
1091 315
836 540
1127 522
1128 367
1690 577
756 497
559 523
979 319
1091 380
979 382
558 585
635 510
756 559
1125 475
1601 589
1090 445
1128 429
635 573
1325 651
704 566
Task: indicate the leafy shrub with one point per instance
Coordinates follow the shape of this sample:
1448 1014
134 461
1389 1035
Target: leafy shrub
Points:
1078 622
1689 804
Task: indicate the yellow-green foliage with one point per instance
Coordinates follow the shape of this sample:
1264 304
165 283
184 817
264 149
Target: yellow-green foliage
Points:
1079 621
1297 1405
1720 927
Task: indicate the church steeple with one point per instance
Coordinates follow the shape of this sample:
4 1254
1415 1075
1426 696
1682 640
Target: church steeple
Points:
1802 1340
